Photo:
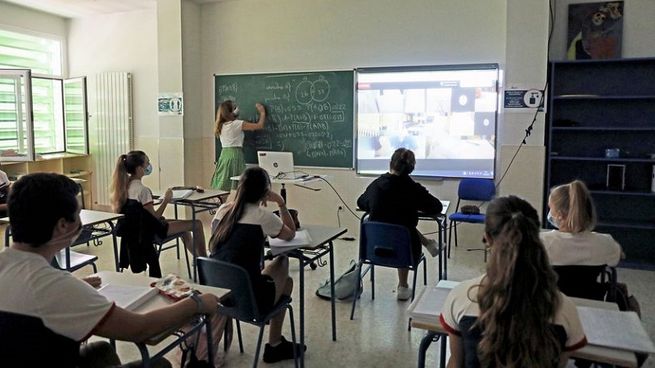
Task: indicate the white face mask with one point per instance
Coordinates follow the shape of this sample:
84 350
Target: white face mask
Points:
235 112
68 238
551 219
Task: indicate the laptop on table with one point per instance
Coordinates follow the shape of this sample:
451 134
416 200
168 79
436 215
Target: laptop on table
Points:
279 165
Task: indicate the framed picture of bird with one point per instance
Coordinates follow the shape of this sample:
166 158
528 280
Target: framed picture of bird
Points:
595 30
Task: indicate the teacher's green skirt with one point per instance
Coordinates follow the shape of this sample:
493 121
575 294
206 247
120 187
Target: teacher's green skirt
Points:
230 163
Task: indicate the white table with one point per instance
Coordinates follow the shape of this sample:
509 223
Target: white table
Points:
89 219
322 238
198 202
158 301
435 331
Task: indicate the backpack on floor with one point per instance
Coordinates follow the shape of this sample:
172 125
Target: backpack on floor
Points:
344 285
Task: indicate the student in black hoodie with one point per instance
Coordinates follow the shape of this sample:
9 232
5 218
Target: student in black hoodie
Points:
396 198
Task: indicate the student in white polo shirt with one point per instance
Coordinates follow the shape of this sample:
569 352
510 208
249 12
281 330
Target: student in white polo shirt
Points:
513 315
574 243
45 313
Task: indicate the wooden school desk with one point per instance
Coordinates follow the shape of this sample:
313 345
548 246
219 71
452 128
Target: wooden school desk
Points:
158 301
321 242
90 219
430 322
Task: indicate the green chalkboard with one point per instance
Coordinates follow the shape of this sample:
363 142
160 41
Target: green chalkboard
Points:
308 113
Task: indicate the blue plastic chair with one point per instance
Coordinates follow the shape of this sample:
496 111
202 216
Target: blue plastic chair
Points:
470 190
242 305
386 245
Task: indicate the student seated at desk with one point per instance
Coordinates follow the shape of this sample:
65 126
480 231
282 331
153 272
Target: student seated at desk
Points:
512 316
45 313
572 212
239 231
395 198
128 190
4 192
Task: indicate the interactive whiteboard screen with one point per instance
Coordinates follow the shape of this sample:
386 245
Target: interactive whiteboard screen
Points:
445 114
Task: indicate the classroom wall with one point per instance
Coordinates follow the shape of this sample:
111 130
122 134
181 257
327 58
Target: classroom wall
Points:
638 28
121 42
291 35
19 19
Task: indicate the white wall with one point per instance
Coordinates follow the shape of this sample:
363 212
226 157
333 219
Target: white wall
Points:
125 42
18 19
638 28
287 35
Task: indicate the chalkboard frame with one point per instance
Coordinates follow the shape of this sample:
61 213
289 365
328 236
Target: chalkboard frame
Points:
352 75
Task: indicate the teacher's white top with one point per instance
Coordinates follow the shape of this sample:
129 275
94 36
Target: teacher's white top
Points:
232 134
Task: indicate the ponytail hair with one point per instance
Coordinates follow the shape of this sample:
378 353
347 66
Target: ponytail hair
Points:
224 114
126 166
253 187
402 161
573 201
518 297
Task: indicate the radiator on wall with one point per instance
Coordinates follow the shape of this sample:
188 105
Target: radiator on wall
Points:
113 128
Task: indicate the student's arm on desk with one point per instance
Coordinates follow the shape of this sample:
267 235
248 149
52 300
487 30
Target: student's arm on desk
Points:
162 207
426 202
288 230
121 324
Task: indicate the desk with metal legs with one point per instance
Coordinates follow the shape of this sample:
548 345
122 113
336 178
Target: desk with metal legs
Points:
322 242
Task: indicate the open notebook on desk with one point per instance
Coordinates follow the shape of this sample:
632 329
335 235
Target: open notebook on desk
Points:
427 306
181 193
302 238
601 327
128 297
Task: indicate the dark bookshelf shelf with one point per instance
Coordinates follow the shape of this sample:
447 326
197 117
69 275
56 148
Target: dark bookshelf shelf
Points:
597 97
623 193
596 105
601 159
643 225
604 129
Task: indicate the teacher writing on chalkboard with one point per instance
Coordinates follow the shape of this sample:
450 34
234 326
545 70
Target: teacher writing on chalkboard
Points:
230 131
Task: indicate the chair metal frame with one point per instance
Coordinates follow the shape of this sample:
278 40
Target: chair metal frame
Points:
366 258
212 272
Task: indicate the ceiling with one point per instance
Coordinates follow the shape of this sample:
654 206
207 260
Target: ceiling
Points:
84 8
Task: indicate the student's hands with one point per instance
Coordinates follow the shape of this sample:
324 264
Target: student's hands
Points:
94 281
260 108
209 304
168 195
273 197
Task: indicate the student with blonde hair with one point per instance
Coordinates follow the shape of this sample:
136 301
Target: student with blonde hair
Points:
230 130
512 316
126 186
574 242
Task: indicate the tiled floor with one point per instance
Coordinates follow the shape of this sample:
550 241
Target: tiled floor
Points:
378 336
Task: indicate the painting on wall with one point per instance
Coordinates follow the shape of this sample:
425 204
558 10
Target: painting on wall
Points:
595 30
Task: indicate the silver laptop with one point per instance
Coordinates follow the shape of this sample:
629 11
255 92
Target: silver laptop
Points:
279 165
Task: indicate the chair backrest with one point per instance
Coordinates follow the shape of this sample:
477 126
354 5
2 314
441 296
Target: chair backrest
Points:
242 303
385 244
26 342
476 189
582 281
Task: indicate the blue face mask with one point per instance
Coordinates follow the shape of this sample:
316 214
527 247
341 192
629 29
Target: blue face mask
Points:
552 220
148 169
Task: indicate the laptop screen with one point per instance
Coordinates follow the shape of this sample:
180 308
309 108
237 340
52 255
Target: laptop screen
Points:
277 164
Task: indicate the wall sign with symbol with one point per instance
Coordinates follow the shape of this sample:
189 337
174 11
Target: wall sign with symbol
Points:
170 104
523 99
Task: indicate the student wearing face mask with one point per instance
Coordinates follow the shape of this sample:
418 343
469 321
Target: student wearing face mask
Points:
574 243
46 313
230 130
127 190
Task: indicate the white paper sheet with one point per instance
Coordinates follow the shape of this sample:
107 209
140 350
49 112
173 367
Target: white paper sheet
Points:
615 329
302 238
182 193
128 297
